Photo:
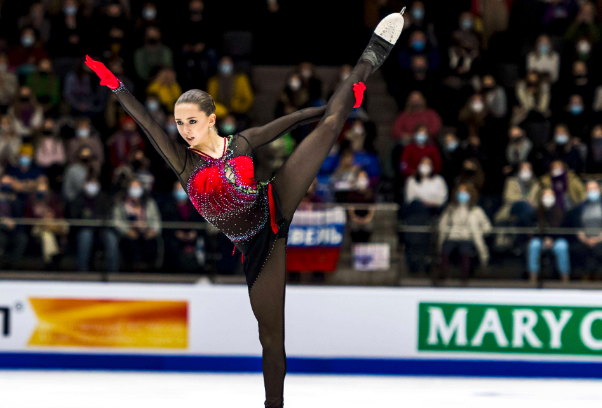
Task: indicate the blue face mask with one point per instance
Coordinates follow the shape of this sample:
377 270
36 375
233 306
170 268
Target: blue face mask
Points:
40 195
561 138
180 195
70 10
593 195
25 161
421 137
418 13
463 197
172 128
152 105
544 48
226 69
27 40
6 188
466 24
576 109
418 45
228 128
451 146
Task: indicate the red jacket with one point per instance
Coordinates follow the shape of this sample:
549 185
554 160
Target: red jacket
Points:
406 122
412 154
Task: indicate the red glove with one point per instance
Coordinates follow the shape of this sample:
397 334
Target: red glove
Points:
358 90
106 77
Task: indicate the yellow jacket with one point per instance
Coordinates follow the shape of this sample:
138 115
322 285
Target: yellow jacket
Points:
242 98
168 95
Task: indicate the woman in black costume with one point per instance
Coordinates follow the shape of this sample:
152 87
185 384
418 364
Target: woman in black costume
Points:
217 172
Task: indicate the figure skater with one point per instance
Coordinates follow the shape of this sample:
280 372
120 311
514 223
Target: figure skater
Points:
217 172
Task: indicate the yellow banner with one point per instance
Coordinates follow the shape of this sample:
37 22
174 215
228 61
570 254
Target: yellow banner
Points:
110 323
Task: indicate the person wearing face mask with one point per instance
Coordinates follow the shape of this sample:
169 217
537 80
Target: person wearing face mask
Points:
518 150
27 54
567 186
182 245
594 157
27 115
550 215
231 90
585 25
416 113
25 173
313 84
418 44
292 98
520 201
166 88
425 194
415 151
9 84
566 148
93 204
228 125
152 55
138 223
453 155
471 173
38 20
533 95
44 204
462 229
76 174
85 136
156 110
577 117
544 59
124 142
472 116
13 238
51 153
586 246
494 97
45 85
419 21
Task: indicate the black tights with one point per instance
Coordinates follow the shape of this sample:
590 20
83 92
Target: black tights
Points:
292 182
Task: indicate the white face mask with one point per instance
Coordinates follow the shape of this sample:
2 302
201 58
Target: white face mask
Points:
135 192
92 189
295 84
425 169
83 132
362 183
478 106
557 172
526 174
306 73
548 200
584 47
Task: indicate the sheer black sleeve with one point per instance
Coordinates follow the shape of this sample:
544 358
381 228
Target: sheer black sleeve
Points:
262 135
173 153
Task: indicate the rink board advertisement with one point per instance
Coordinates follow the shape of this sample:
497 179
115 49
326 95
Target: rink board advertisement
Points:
353 330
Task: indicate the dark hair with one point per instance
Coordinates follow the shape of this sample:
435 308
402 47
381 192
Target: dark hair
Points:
201 98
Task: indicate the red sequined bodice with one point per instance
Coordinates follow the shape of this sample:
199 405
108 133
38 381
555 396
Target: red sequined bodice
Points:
225 193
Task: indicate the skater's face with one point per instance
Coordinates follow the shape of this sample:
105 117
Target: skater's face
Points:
193 124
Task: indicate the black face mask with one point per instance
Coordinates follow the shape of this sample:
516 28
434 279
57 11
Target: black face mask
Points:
6 188
40 195
47 132
153 41
25 99
137 164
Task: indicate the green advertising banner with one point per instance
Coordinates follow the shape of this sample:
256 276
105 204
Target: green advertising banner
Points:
457 327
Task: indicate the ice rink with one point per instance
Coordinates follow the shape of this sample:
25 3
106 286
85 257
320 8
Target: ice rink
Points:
85 389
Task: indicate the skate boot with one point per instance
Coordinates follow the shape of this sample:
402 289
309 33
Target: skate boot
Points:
383 39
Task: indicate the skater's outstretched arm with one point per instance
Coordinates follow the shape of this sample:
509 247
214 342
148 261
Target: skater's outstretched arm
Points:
171 151
262 135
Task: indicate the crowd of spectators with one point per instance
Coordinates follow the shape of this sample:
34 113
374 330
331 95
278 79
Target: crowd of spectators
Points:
497 126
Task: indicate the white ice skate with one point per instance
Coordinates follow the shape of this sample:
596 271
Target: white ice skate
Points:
383 39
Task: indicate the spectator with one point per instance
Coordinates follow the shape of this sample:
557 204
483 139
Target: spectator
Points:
544 60
197 28
26 175
417 20
9 84
37 20
471 173
69 29
578 84
27 115
27 55
232 91
558 16
125 142
292 97
567 187
414 152
587 248
10 143
93 204
138 223
86 136
494 15
114 113
425 195
494 96
153 104
80 94
453 156
420 78
77 172
50 153
141 170
52 237
577 119
348 177
518 150
13 238
152 56
45 85
472 116
418 45
565 148
594 159
416 113
182 243
312 83
198 62
521 193
585 25
166 88
550 215
357 137
533 95
463 226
